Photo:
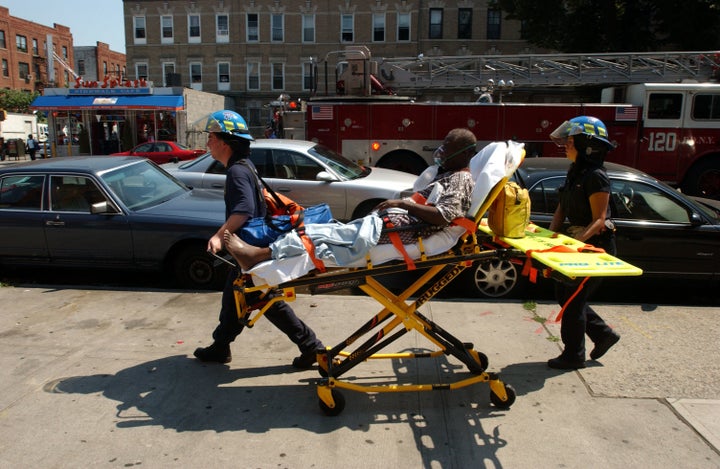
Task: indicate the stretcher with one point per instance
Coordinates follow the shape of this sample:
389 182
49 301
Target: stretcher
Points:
441 257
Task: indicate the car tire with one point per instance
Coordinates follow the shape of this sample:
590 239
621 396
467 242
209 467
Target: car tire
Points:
364 208
195 269
495 278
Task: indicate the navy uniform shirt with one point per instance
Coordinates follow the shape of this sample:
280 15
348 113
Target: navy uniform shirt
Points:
241 191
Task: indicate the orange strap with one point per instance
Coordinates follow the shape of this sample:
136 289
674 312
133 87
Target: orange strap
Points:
310 248
531 272
397 243
569 300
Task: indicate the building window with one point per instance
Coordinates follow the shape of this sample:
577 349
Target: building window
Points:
105 69
3 44
168 69
493 24
81 67
277 26
65 52
253 28
253 76
5 68
21 43
194 29
223 74
347 28
308 26
278 76
436 23
166 27
308 76
23 69
195 72
141 70
464 23
378 32
35 49
139 28
222 23
403 27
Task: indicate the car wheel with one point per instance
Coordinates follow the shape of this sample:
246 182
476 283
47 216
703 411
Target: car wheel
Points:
365 208
495 278
195 269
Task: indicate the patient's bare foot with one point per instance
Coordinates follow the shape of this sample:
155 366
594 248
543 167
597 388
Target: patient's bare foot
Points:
246 255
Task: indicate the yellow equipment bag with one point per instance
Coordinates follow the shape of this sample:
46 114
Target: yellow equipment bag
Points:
509 213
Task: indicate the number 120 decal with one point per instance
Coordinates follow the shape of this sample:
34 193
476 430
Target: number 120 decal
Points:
662 141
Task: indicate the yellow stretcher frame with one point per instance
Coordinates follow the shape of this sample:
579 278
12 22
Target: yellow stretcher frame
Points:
400 314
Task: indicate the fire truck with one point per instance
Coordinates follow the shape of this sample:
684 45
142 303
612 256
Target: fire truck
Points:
662 110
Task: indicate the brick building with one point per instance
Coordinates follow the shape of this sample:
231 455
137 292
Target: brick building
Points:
23 46
254 50
95 62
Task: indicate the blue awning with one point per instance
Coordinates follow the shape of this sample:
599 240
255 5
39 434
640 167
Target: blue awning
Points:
53 103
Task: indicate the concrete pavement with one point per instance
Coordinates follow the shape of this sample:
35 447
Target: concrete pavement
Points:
105 378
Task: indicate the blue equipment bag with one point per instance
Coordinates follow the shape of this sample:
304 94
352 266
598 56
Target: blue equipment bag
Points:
261 231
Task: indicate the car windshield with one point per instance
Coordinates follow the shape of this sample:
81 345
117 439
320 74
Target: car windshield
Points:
141 185
190 163
338 163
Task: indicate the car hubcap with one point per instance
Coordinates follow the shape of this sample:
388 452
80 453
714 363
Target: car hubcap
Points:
496 278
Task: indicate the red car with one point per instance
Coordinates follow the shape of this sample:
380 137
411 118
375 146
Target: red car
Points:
162 152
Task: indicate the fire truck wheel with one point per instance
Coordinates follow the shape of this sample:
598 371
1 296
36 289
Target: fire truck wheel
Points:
495 278
405 161
703 179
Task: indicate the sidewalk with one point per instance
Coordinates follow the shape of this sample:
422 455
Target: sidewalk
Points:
106 378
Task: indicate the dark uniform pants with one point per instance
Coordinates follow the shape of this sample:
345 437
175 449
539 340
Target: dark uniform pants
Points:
280 314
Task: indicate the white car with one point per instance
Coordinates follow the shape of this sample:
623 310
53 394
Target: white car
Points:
309 174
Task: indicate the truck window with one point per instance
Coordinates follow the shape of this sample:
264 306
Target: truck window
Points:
664 105
706 107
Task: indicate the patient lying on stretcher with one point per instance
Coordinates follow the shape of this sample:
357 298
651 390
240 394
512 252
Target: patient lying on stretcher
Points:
444 198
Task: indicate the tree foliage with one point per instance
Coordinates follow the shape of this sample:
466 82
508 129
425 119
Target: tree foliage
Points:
617 25
16 100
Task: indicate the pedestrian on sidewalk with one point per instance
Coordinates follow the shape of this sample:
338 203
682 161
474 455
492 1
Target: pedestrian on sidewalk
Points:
585 203
229 143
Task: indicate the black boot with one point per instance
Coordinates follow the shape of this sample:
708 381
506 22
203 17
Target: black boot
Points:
216 352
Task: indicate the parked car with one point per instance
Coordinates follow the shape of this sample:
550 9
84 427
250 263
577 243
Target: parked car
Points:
309 174
162 151
658 229
117 213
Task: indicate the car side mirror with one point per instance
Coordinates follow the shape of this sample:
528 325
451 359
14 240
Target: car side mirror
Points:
102 208
695 219
325 176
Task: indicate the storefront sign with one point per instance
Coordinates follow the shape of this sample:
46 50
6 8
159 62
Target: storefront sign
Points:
111 86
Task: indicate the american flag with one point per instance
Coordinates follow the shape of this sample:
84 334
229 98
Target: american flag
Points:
626 114
321 113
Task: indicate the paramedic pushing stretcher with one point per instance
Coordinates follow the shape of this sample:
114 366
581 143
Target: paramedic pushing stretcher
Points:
585 202
229 143
448 197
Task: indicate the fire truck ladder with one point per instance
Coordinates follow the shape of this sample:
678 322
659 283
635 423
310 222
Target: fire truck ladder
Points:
463 72
65 65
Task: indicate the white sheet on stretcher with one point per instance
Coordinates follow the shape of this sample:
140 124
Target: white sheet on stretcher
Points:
489 166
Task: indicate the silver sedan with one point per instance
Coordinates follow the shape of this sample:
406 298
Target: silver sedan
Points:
309 174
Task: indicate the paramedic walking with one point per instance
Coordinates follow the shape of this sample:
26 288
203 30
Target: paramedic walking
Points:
229 143
585 203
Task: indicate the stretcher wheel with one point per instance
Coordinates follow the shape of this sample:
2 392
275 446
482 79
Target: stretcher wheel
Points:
481 359
499 403
339 404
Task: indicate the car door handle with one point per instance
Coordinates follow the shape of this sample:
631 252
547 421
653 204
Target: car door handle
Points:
54 223
217 186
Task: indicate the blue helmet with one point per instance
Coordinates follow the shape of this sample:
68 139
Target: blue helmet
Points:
226 122
588 125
